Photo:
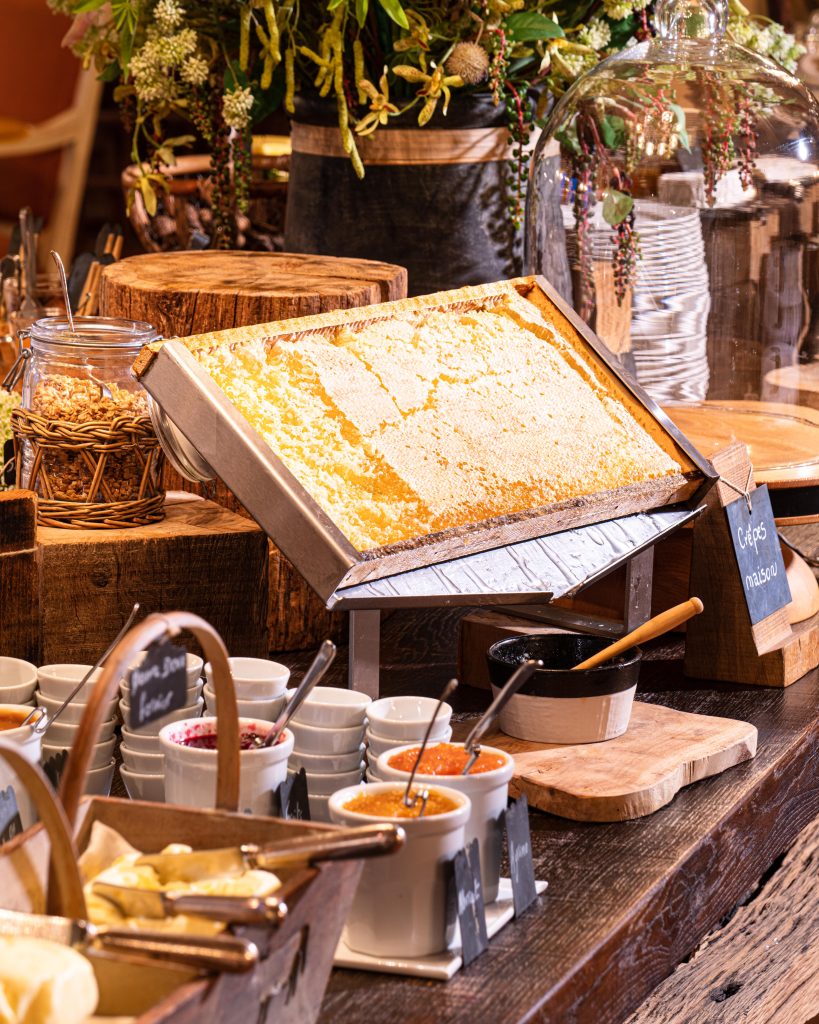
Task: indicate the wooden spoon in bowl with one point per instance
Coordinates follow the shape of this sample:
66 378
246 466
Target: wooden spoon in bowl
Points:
656 626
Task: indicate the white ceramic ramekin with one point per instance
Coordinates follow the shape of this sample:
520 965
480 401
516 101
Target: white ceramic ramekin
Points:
405 719
103 752
255 678
18 680
327 764
268 709
379 745
488 792
313 739
399 907
190 772
333 707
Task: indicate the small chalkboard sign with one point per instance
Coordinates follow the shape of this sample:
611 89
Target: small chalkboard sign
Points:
9 473
519 848
290 799
758 554
11 823
54 767
469 902
158 684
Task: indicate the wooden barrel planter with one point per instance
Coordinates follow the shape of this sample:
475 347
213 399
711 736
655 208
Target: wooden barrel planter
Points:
184 293
433 199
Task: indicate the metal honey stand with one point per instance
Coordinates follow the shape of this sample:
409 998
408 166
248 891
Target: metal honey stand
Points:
523 559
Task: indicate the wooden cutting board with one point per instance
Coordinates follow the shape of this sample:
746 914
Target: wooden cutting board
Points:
632 775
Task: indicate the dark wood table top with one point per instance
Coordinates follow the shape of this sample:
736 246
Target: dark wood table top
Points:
627 901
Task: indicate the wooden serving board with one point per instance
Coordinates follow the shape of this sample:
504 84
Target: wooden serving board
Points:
632 775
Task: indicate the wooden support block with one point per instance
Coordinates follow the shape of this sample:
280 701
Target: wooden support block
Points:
19 598
201 558
722 643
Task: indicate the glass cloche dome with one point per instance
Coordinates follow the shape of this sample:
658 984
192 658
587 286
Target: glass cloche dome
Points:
674 202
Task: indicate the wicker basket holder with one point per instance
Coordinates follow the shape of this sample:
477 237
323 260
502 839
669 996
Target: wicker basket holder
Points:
295 959
99 475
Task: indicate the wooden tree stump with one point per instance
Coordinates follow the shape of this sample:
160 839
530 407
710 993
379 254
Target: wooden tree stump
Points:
184 293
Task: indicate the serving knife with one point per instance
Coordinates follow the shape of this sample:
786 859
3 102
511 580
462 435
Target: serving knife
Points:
208 953
366 841
269 910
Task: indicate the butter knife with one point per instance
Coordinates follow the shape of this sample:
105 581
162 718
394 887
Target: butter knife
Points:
366 841
267 910
209 953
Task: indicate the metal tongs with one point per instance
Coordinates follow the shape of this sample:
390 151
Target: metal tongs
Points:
423 795
521 675
42 723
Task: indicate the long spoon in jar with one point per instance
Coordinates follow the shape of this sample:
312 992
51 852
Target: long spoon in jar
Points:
43 723
423 795
64 285
105 391
521 674
322 661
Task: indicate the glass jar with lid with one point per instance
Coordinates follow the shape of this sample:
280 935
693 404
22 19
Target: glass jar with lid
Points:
83 434
674 201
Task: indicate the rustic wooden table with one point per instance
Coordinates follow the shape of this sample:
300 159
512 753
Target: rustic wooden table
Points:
626 902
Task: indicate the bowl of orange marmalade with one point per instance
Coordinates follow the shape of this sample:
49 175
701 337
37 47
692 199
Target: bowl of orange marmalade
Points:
400 904
486 785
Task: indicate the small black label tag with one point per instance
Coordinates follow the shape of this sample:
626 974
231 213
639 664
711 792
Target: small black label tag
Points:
519 848
469 902
11 823
9 472
758 554
158 684
290 799
54 768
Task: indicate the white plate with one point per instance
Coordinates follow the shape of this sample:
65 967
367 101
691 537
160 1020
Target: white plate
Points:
442 966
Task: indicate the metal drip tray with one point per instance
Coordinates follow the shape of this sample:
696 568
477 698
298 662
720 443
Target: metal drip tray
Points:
532 571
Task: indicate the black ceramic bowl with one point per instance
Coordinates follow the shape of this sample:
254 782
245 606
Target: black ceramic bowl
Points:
558 705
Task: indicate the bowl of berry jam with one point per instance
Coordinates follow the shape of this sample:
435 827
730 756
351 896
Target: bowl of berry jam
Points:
190 749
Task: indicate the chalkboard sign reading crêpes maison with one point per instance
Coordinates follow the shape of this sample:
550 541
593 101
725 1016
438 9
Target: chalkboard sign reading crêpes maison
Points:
758 554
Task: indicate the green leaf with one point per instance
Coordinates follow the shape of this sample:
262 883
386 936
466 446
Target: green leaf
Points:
361 8
528 26
88 5
110 73
682 131
613 131
568 139
331 6
616 207
395 11
148 195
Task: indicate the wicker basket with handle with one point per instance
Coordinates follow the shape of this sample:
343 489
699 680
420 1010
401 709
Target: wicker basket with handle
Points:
295 962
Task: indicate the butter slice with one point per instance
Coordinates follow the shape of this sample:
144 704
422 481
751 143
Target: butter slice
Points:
43 982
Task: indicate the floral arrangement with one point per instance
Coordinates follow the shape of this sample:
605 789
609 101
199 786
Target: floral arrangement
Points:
223 65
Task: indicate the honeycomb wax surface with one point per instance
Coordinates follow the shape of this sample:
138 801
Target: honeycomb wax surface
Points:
426 420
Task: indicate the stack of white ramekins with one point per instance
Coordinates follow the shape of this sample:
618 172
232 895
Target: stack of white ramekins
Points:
329 730
142 769
260 687
398 721
55 684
